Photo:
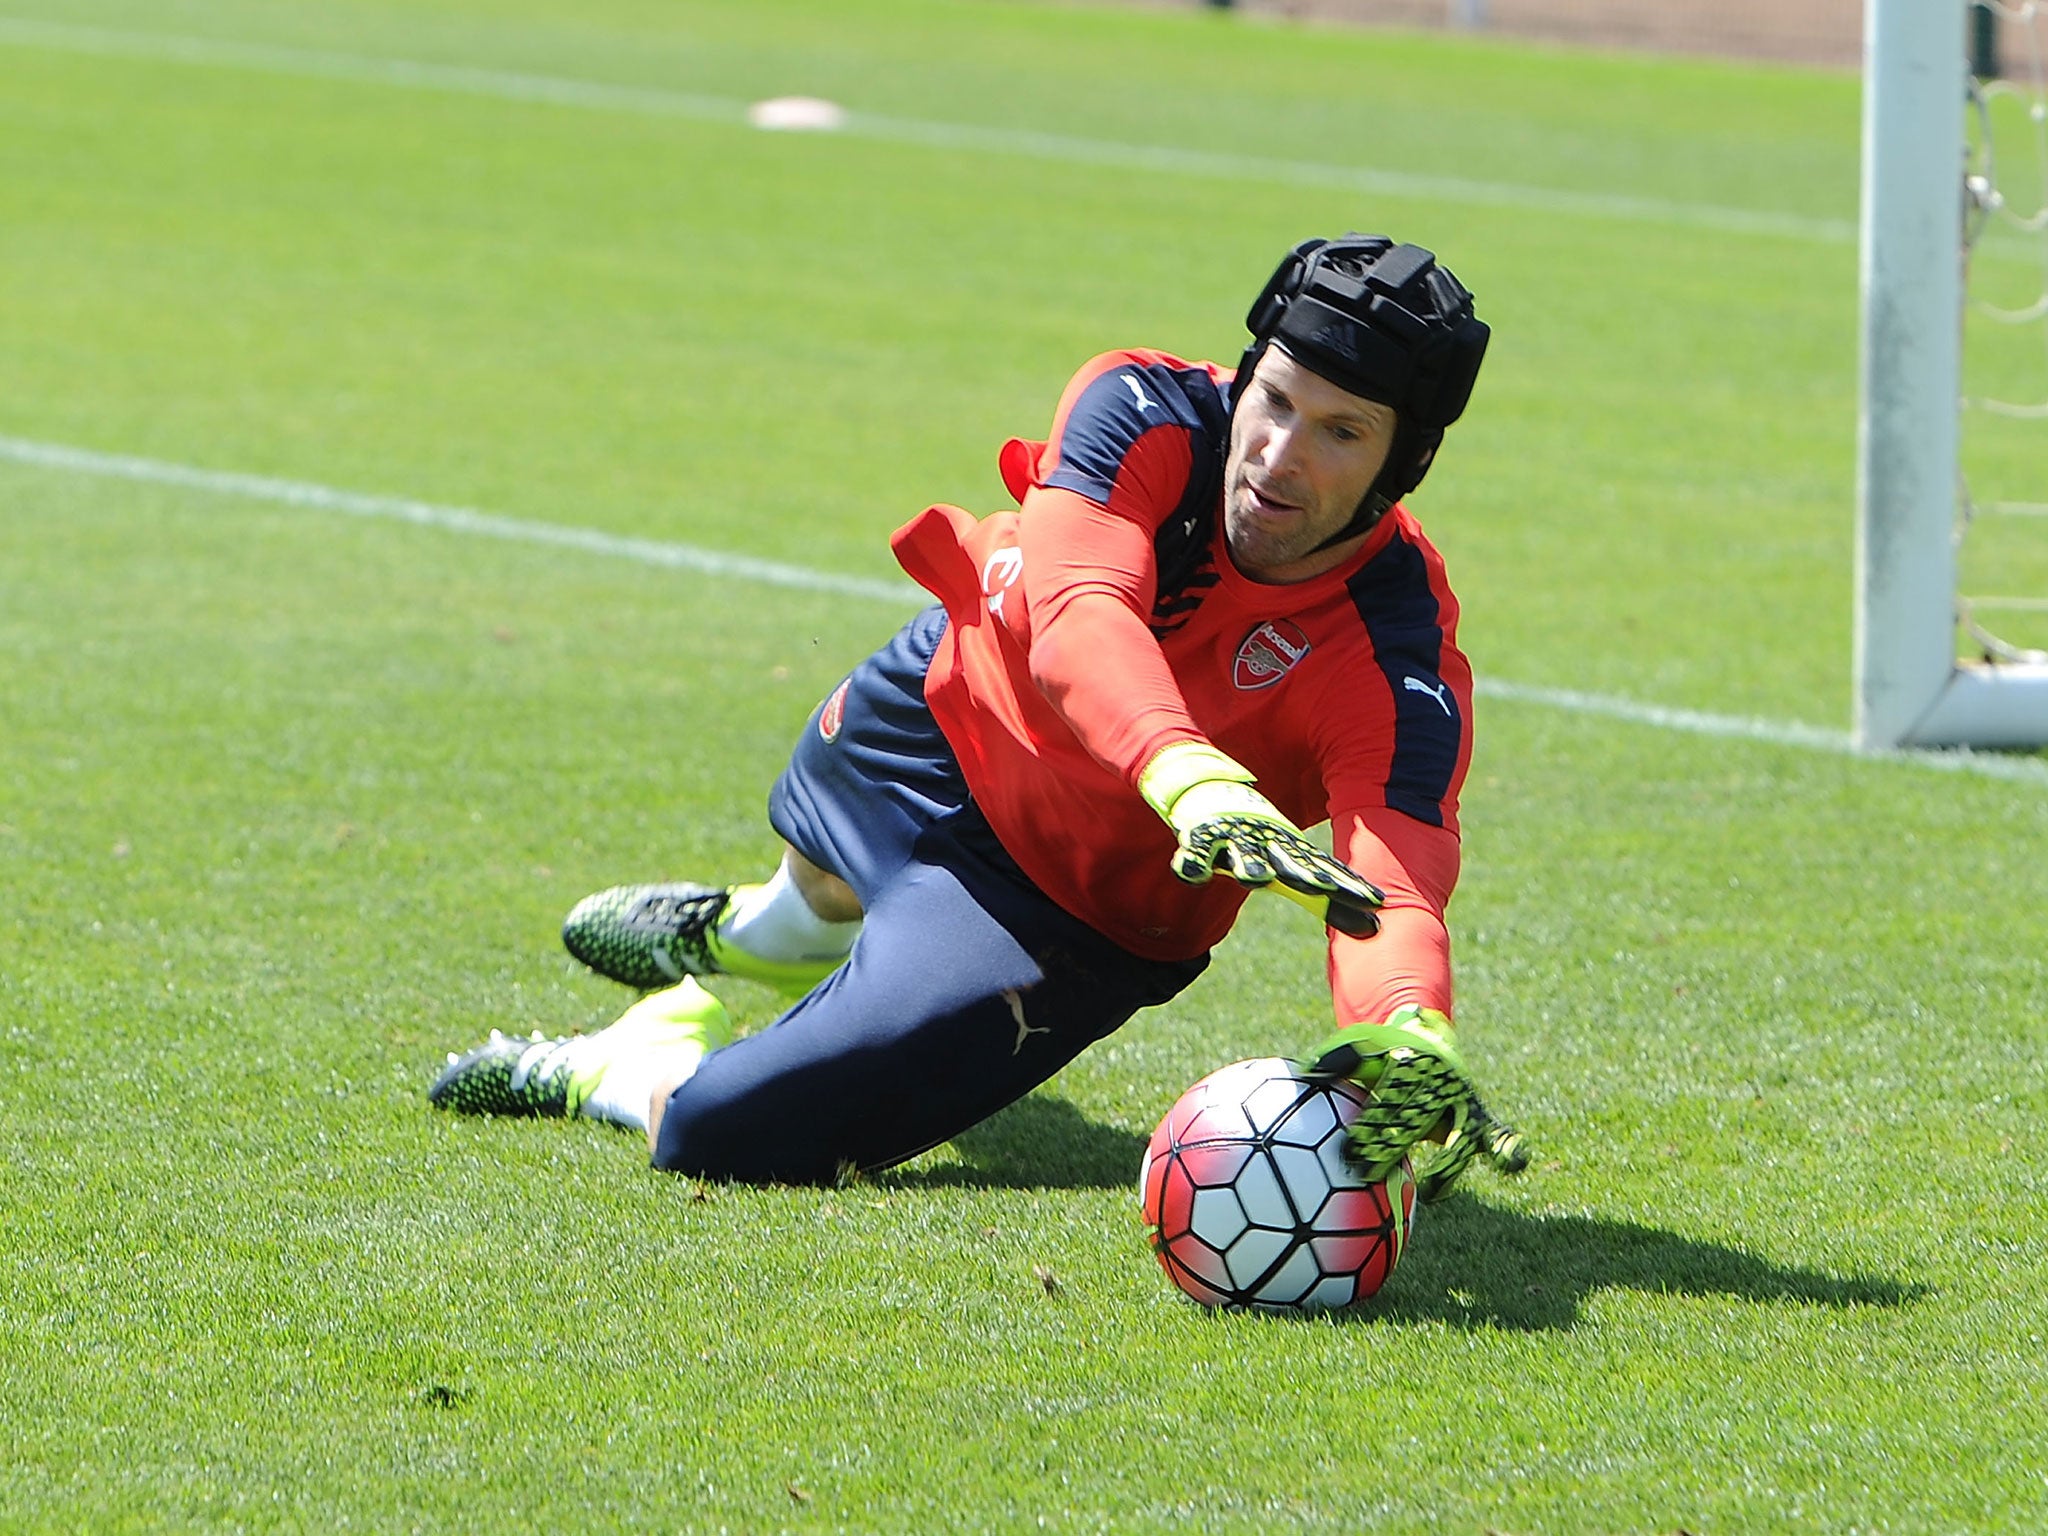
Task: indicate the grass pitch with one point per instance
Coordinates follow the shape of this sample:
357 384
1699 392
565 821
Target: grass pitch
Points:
291 800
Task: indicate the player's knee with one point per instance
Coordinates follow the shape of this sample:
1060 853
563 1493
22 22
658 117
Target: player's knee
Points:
742 1138
830 898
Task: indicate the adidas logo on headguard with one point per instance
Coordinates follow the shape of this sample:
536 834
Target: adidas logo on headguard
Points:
1339 338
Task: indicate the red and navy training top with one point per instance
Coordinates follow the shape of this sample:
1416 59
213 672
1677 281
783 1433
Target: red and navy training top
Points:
1105 620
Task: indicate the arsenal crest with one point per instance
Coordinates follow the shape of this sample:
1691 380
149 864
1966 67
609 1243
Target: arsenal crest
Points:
833 716
1268 654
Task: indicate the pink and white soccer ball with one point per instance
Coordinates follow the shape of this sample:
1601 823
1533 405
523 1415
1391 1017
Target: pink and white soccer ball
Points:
1249 1200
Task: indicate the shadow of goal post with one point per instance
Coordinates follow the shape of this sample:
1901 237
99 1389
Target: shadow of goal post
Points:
1910 688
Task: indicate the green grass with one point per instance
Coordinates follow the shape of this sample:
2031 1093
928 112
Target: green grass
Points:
291 802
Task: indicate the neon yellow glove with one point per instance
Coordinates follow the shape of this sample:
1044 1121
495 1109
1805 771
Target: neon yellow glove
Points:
1223 823
1423 1104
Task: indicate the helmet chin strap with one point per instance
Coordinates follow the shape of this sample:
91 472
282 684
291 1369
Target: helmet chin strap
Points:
1392 482
1364 520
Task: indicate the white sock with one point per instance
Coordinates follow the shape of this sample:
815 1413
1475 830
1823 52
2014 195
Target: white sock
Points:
631 1076
662 1038
774 922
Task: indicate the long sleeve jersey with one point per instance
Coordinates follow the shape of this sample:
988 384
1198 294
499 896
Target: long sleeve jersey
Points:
1104 621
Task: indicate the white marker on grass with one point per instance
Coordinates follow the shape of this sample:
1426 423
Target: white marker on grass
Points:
797 114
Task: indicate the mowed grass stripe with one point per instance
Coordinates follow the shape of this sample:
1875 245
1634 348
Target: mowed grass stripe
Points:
775 573
565 91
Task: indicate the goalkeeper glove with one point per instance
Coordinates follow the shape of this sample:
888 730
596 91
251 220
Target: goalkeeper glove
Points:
1420 1092
1224 823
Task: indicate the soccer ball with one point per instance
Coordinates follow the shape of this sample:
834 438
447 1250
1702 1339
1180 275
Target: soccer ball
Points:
1250 1202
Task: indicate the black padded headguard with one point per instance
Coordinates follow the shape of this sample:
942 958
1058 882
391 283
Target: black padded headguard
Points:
1385 322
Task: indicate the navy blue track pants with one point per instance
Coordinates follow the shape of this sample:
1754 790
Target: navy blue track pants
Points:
966 989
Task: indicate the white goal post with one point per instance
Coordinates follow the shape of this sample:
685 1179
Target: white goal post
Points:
1910 688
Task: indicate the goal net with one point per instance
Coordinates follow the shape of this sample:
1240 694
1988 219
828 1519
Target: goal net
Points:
1951 645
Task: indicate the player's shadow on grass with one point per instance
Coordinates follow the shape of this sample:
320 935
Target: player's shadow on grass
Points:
1037 1143
1480 1266
1472 1264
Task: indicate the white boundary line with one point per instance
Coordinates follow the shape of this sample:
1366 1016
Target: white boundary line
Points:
1746 728
299 493
1784 733
710 562
563 91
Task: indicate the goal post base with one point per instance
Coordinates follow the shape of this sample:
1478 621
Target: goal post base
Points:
2002 705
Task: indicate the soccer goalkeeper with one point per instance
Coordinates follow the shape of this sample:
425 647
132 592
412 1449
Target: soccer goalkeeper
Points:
1032 813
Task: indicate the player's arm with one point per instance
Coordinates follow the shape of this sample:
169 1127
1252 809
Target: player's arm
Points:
1090 577
1415 866
1393 1003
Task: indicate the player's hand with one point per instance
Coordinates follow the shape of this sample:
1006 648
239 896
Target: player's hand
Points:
1243 836
1423 1105
1226 825
1481 1136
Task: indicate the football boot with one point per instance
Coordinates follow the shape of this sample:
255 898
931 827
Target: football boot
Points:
648 936
536 1075
652 936
513 1075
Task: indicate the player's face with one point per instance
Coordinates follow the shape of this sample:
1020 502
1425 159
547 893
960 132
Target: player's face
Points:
1303 453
